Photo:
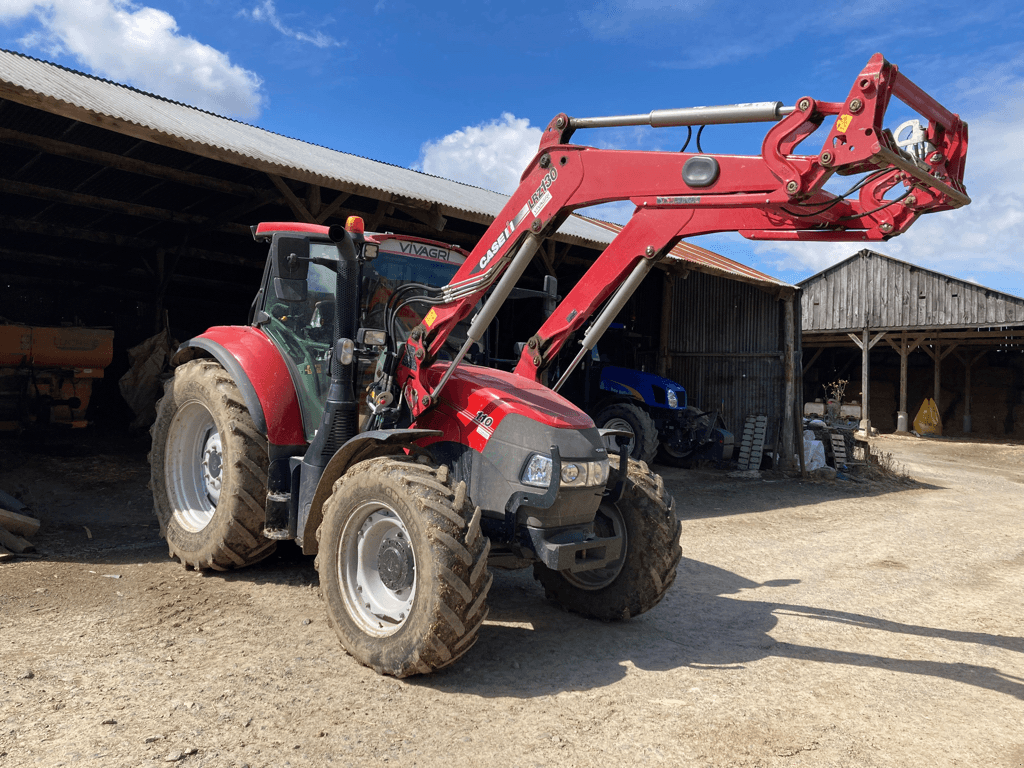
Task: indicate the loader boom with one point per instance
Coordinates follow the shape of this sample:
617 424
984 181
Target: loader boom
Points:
777 195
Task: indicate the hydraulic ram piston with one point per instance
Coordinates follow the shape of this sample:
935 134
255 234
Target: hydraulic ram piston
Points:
760 112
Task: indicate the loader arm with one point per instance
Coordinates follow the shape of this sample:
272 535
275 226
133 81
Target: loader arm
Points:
776 195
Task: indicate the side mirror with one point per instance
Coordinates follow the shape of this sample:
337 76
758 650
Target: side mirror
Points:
291 267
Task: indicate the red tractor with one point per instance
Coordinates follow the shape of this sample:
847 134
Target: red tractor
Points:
407 493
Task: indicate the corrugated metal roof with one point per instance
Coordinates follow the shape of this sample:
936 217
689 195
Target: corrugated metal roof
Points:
257 148
254 147
708 261
870 289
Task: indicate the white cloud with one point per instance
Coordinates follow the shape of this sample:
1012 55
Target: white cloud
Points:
491 155
267 12
141 46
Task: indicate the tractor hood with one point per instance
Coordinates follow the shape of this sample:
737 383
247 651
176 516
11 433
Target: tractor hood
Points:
480 398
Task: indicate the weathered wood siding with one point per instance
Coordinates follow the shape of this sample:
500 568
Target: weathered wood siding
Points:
725 347
873 290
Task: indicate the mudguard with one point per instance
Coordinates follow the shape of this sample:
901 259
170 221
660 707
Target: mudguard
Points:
260 374
367 445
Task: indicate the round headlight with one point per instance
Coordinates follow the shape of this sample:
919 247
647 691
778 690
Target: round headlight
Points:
570 473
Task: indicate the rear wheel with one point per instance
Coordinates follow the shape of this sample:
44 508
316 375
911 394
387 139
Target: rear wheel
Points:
635 420
209 471
403 566
640 577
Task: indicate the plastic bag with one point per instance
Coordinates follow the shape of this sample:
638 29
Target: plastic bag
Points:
814 452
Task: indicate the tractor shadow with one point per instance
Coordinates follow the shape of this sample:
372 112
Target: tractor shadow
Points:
530 648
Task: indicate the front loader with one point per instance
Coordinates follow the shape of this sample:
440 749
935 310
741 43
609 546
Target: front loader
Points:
405 496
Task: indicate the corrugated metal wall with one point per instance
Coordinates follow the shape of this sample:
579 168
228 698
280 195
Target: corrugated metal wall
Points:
725 347
879 292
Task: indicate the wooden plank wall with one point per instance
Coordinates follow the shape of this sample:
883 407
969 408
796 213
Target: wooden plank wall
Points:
873 290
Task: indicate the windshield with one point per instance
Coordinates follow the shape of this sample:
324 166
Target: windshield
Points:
391 270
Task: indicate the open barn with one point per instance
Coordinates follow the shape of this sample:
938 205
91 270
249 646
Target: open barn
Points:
122 211
900 333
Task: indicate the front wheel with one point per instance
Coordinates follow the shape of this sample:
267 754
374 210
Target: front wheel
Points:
640 577
208 470
403 566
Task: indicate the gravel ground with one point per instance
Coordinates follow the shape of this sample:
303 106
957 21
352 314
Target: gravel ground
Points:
843 623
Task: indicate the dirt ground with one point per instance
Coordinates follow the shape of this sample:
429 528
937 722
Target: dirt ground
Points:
838 623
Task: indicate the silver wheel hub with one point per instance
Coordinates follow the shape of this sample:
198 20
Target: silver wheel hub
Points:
212 461
377 568
194 467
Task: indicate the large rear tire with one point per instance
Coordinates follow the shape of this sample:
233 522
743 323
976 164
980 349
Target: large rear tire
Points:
208 469
403 566
640 577
635 420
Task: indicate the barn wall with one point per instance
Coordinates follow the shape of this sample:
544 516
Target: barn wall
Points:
879 292
725 346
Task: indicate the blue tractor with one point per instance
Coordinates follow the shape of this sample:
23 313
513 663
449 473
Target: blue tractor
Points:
664 426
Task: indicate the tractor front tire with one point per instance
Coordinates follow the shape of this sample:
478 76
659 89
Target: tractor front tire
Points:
403 566
640 577
633 419
208 469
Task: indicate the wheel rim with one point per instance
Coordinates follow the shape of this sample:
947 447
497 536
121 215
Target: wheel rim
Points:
377 568
195 466
609 522
623 426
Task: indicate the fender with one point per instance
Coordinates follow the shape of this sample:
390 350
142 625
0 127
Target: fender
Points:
260 374
380 442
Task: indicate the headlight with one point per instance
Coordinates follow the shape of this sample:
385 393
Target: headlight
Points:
537 471
673 401
575 474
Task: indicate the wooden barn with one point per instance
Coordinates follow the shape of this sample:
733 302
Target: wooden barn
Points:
901 333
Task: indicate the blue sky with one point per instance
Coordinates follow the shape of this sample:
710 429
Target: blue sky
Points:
462 89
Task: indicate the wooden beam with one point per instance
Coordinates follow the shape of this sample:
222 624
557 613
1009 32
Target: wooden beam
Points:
814 357
114 239
430 216
109 205
547 255
121 163
297 206
331 208
374 220
313 203
871 344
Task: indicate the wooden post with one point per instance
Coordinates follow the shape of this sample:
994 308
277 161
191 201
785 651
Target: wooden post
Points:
865 344
902 420
790 414
904 347
967 399
938 375
968 362
865 384
666 322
